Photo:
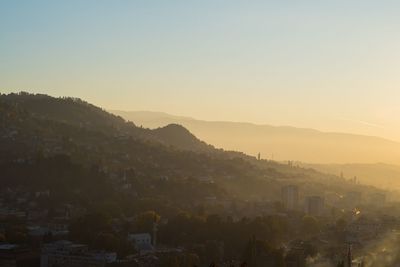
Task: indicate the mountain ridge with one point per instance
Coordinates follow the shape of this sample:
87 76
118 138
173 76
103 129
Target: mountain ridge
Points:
168 115
285 142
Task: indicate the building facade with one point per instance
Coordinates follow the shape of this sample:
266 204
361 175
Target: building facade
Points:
66 253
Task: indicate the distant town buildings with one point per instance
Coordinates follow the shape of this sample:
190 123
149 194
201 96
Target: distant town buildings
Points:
314 205
378 199
141 241
353 198
66 253
205 179
14 255
290 196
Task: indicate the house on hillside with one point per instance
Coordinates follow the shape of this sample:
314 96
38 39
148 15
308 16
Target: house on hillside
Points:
141 241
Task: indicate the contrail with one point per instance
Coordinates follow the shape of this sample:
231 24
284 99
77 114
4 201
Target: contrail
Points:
363 122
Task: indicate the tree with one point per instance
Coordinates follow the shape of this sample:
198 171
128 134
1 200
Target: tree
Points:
310 225
341 225
106 241
86 228
146 220
2 238
16 234
259 253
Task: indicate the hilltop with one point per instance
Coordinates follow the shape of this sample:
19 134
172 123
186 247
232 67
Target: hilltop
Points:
78 113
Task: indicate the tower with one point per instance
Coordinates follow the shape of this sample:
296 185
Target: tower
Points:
155 229
290 196
349 256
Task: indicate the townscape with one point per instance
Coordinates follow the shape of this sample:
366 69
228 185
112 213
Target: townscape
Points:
109 193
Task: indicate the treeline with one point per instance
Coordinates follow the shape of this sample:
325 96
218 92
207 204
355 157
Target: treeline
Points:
257 242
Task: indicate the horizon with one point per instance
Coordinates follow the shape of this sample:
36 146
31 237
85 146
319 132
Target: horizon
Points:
247 122
187 123
327 131
326 66
237 136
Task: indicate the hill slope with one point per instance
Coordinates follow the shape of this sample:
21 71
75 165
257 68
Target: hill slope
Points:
284 143
77 113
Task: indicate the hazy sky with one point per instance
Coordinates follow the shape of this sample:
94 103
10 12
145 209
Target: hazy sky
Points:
330 65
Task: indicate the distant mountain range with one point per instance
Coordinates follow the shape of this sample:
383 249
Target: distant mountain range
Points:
278 142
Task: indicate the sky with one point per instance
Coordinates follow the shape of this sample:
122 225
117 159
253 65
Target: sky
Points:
328 65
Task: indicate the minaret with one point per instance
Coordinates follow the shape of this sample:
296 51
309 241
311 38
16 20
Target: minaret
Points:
155 229
259 156
124 176
349 256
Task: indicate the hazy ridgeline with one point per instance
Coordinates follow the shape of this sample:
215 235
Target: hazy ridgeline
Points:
280 143
371 159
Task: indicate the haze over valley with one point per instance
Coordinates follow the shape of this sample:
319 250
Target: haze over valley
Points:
280 143
284 150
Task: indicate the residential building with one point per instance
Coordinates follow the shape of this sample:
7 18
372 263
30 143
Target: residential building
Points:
66 253
290 196
141 241
314 205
